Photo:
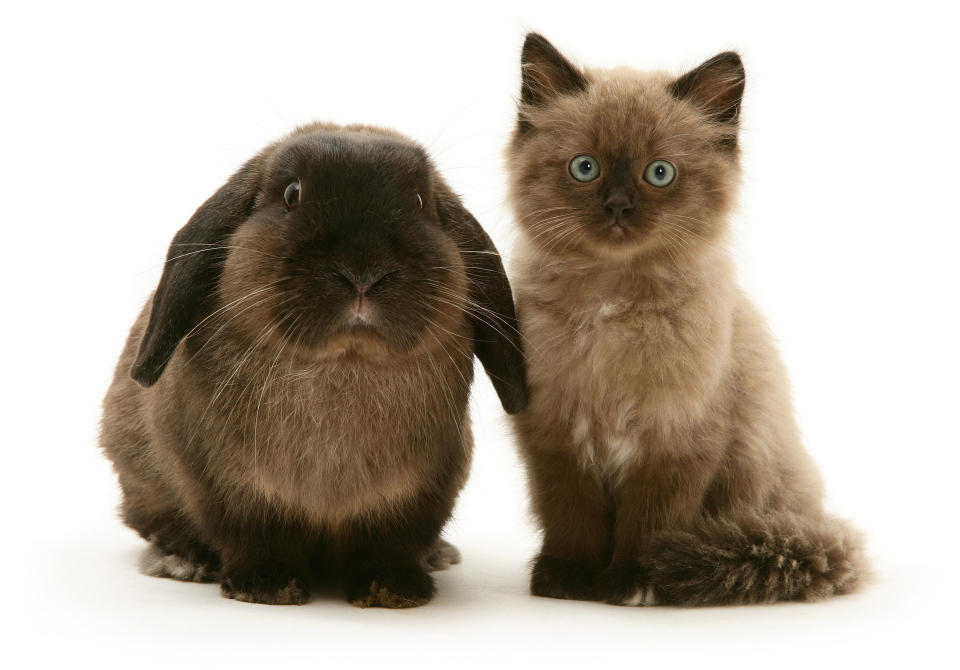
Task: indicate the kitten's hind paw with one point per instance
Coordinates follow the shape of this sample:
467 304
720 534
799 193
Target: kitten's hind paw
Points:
625 584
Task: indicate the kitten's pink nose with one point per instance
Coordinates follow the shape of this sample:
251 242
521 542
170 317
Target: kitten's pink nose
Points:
618 205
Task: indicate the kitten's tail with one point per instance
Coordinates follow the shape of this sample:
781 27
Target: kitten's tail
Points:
756 559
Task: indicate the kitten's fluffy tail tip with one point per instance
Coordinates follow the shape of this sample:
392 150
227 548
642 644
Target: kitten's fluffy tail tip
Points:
762 559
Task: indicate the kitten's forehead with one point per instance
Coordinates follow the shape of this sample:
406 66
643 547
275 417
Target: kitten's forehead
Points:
624 111
627 81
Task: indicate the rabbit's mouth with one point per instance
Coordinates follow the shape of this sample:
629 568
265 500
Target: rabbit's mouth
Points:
359 321
361 315
361 312
357 325
359 341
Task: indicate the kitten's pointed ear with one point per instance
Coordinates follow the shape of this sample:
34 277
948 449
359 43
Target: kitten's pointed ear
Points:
545 74
192 271
715 86
491 311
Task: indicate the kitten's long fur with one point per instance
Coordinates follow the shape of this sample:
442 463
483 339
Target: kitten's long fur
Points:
664 461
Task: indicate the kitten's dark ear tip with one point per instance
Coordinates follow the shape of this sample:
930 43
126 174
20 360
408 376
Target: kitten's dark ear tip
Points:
726 61
731 57
731 60
716 86
545 73
536 47
535 41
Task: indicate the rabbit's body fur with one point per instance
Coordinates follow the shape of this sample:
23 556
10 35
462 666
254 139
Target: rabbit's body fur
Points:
298 400
327 465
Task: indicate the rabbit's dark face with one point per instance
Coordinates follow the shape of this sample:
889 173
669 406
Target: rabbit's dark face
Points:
337 242
344 253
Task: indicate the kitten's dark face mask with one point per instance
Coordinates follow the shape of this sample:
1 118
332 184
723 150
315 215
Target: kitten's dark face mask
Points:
612 192
618 162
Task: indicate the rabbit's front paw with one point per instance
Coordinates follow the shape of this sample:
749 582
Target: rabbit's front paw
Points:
267 583
396 588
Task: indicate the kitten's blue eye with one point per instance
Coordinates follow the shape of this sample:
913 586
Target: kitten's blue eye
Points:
584 168
660 173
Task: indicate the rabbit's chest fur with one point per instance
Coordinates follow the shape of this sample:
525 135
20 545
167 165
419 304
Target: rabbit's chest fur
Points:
335 442
616 356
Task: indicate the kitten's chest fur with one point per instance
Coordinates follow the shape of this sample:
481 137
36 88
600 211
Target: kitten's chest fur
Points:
617 353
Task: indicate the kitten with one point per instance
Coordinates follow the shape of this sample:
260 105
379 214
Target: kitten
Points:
663 457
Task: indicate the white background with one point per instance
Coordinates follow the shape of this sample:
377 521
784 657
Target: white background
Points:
118 121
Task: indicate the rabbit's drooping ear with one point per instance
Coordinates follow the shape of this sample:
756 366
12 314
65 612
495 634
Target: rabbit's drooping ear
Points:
194 263
491 311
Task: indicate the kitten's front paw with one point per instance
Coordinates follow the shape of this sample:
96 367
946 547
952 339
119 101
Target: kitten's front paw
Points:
397 587
625 584
562 578
267 583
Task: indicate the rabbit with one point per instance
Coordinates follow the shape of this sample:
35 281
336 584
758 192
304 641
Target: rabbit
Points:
291 403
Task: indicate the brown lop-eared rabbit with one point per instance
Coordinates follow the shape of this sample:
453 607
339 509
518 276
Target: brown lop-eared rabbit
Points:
291 404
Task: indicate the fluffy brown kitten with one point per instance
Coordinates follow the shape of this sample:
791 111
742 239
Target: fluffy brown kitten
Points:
664 461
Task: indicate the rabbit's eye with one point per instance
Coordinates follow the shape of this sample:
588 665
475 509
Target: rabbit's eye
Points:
291 194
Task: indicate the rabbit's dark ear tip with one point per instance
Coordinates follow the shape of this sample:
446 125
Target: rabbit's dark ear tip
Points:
143 374
514 402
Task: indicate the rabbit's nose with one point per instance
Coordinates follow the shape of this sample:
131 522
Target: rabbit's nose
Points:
361 281
362 285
